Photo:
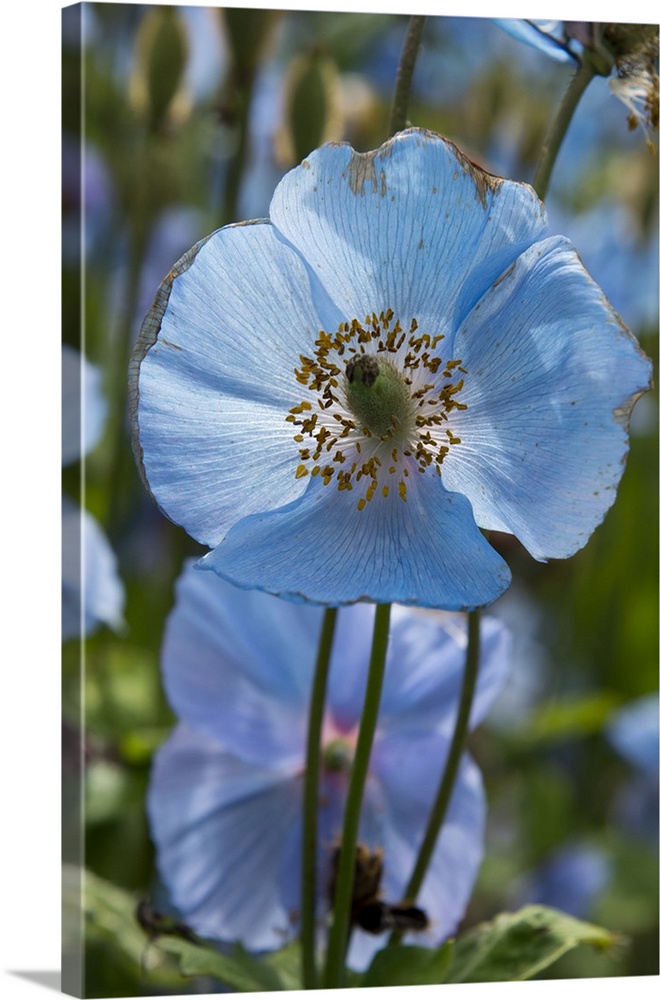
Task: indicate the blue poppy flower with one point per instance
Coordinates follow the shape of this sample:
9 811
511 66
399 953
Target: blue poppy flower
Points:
226 788
337 399
629 52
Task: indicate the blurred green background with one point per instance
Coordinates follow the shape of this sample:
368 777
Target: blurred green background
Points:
189 117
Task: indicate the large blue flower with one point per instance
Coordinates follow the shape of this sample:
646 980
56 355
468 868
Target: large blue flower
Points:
226 789
337 399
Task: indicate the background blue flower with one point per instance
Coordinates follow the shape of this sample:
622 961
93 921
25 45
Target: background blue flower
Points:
92 591
225 797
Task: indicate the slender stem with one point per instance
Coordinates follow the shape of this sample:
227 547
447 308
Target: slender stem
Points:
579 83
310 799
338 938
446 787
402 87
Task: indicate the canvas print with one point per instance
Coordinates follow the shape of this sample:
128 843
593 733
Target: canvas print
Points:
359 505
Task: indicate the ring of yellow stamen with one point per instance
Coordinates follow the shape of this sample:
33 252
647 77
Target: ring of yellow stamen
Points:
379 402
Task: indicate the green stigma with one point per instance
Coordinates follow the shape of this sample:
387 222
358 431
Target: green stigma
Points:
378 395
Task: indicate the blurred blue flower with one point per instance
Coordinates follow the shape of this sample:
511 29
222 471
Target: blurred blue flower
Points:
226 788
92 592
633 732
337 399
570 879
84 409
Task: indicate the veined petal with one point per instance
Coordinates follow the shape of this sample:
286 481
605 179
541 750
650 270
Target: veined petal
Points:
245 686
413 226
217 821
212 380
426 551
553 375
425 666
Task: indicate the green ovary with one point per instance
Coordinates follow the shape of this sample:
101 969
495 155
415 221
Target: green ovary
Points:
378 396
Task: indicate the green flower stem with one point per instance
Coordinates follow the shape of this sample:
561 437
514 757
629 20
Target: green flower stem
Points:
443 797
579 83
310 799
402 87
339 932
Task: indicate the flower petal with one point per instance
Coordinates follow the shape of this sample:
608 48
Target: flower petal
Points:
552 377
426 551
425 666
545 36
215 364
413 226
219 825
245 686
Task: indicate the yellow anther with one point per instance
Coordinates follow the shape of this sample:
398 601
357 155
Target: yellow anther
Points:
363 451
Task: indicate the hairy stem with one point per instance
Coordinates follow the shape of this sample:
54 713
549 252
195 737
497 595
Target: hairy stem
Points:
403 85
559 126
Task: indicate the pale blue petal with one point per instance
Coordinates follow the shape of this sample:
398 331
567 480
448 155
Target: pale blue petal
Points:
546 36
425 551
238 666
219 825
552 376
413 226
216 385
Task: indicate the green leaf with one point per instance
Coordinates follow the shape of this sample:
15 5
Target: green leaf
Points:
238 970
570 718
288 964
407 965
109 920
517 946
